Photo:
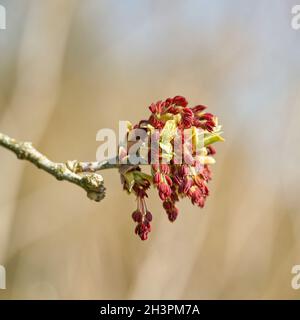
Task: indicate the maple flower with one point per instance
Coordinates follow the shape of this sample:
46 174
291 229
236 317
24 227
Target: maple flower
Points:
169 120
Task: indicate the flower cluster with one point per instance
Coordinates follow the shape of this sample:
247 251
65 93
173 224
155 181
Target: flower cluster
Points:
188 178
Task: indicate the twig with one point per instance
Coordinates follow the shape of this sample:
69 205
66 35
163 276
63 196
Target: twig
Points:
91 182
78 166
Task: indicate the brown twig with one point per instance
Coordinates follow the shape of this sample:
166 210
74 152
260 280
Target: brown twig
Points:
70 171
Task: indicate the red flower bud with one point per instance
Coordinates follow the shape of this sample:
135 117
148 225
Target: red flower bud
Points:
206 116
172 214
158 124
152 108
211 150
164 168
137 216
187 118
162 195
209 125
142 230
197 198
178 180
183 170
174 110
167 205
188 112
169 180
155 167
157 178
206 173
148 216
198 108
187 185
180 101
165 189
174 196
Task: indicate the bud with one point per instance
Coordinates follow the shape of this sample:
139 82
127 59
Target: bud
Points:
157 178
198 108
148 216
172 214
180 101
137 216
164 168
169 181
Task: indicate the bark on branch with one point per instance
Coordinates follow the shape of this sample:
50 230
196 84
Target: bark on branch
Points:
79 173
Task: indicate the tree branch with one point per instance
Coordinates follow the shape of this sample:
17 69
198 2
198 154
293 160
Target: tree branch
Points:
70 171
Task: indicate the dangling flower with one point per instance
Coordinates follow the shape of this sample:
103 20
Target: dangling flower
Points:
170 118
143 217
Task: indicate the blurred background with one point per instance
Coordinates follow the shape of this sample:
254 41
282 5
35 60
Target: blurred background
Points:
69 68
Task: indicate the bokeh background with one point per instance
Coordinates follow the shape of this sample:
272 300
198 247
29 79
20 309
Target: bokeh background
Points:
69 68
